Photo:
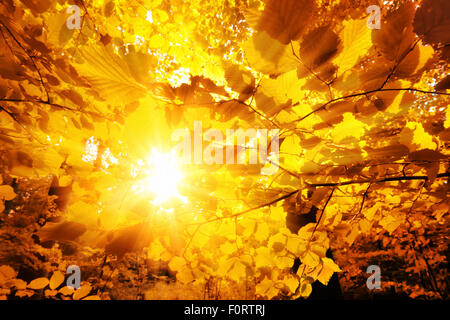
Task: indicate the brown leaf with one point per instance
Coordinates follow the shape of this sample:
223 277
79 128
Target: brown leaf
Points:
105 39
432 172
443 84
319 46
286 20
396 36
432 21
240 80
426 155
61 231
129 239
73 96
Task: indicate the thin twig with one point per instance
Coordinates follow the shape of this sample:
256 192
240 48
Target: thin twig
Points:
362 202
31 58
290 194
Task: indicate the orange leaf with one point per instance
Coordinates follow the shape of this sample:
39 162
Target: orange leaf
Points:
82 292
94 297
66 291
56 279
39 283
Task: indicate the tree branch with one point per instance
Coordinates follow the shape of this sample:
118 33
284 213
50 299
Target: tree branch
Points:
59 106
401 178
369 92
31 58
288 195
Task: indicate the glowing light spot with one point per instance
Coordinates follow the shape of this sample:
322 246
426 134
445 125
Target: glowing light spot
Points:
163 177
149 17
91 150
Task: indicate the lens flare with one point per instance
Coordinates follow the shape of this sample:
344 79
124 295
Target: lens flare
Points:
163 176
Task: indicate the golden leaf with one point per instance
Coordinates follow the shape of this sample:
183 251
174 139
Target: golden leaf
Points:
329 267
356 40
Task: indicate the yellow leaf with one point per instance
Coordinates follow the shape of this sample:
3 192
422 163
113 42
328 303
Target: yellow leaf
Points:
290 152
277 214
157 251
56 279
277 242
364 225
426 53
329 267
82 292
177 264
185 276
110 74
38 283
295 245
237 271
248 227
415 138
305 289
155 3
447 118
356 40
262 232
369 213
57 32
157 41
160 16
228 248
263 257
65 180
351 237
311 259
283 262
349 127
391 223
291 282
266 288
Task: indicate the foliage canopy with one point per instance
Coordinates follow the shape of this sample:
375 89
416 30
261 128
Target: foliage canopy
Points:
363 124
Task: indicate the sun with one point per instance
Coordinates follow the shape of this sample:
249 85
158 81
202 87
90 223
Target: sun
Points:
163 176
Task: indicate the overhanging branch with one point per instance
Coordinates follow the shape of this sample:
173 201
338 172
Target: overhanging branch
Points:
401 178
